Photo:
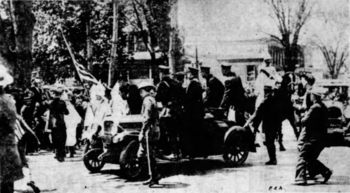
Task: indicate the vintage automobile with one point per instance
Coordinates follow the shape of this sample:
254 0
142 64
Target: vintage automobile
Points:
338 132
118 143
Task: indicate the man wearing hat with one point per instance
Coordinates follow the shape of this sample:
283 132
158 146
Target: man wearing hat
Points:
265 80
312 139
215 89
37 92
307 80
234 94
169 93
58 109
194 113
149 133
271 113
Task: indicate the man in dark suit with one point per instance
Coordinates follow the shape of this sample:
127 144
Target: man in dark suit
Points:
37 92
312 139
194 113
271 113
58 109
234 95
169 94
215 89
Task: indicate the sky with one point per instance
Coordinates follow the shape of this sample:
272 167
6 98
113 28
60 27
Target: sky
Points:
213 20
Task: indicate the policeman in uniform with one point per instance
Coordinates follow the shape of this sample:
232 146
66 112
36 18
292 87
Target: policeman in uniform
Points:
234 94
270 113
149 133
265 80
312 139
215 89
169 94
194 113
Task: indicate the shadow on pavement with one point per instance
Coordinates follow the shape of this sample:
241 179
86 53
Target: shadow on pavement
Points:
338 180
193 167
185 167
174 185
30 190
333 181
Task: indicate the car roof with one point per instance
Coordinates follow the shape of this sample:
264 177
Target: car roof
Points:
333 82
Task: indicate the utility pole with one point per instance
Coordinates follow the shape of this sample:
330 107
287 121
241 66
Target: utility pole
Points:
114 45
172 35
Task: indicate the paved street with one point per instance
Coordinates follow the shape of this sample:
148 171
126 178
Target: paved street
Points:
201 175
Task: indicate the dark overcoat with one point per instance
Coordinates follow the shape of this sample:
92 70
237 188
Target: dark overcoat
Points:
234 94
10 161
215 92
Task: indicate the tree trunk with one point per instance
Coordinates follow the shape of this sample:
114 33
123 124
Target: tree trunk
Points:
113 63
171 52
88 35
23 25
291 58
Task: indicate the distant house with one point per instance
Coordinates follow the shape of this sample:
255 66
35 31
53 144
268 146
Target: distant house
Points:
245 56
141 66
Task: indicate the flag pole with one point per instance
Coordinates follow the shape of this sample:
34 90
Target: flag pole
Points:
112 62
197 62
71 54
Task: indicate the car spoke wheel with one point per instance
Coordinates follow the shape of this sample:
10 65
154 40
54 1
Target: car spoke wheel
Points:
132 167
90 159
236 148
236 156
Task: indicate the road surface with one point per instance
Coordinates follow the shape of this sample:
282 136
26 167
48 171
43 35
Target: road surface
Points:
200 175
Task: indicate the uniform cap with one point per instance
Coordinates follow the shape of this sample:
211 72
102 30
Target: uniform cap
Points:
193 70
164 68
58 90
36 80
205 68
226 65
26 98
267 57
181 73
317 91
145 85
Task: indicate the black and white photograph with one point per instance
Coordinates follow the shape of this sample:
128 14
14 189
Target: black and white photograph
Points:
174 96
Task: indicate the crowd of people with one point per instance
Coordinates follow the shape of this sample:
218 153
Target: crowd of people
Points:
54 119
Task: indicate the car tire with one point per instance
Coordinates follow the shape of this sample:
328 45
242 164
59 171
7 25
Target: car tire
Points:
236 148
90 158
131 167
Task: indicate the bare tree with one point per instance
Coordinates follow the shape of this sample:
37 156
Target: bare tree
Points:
151 19
335 57
332 39
290 17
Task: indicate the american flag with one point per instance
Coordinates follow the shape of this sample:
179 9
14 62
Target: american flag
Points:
83 73
81 70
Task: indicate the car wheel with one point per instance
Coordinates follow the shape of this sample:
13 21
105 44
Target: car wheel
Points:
131 167
236 157
90 159
236 147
